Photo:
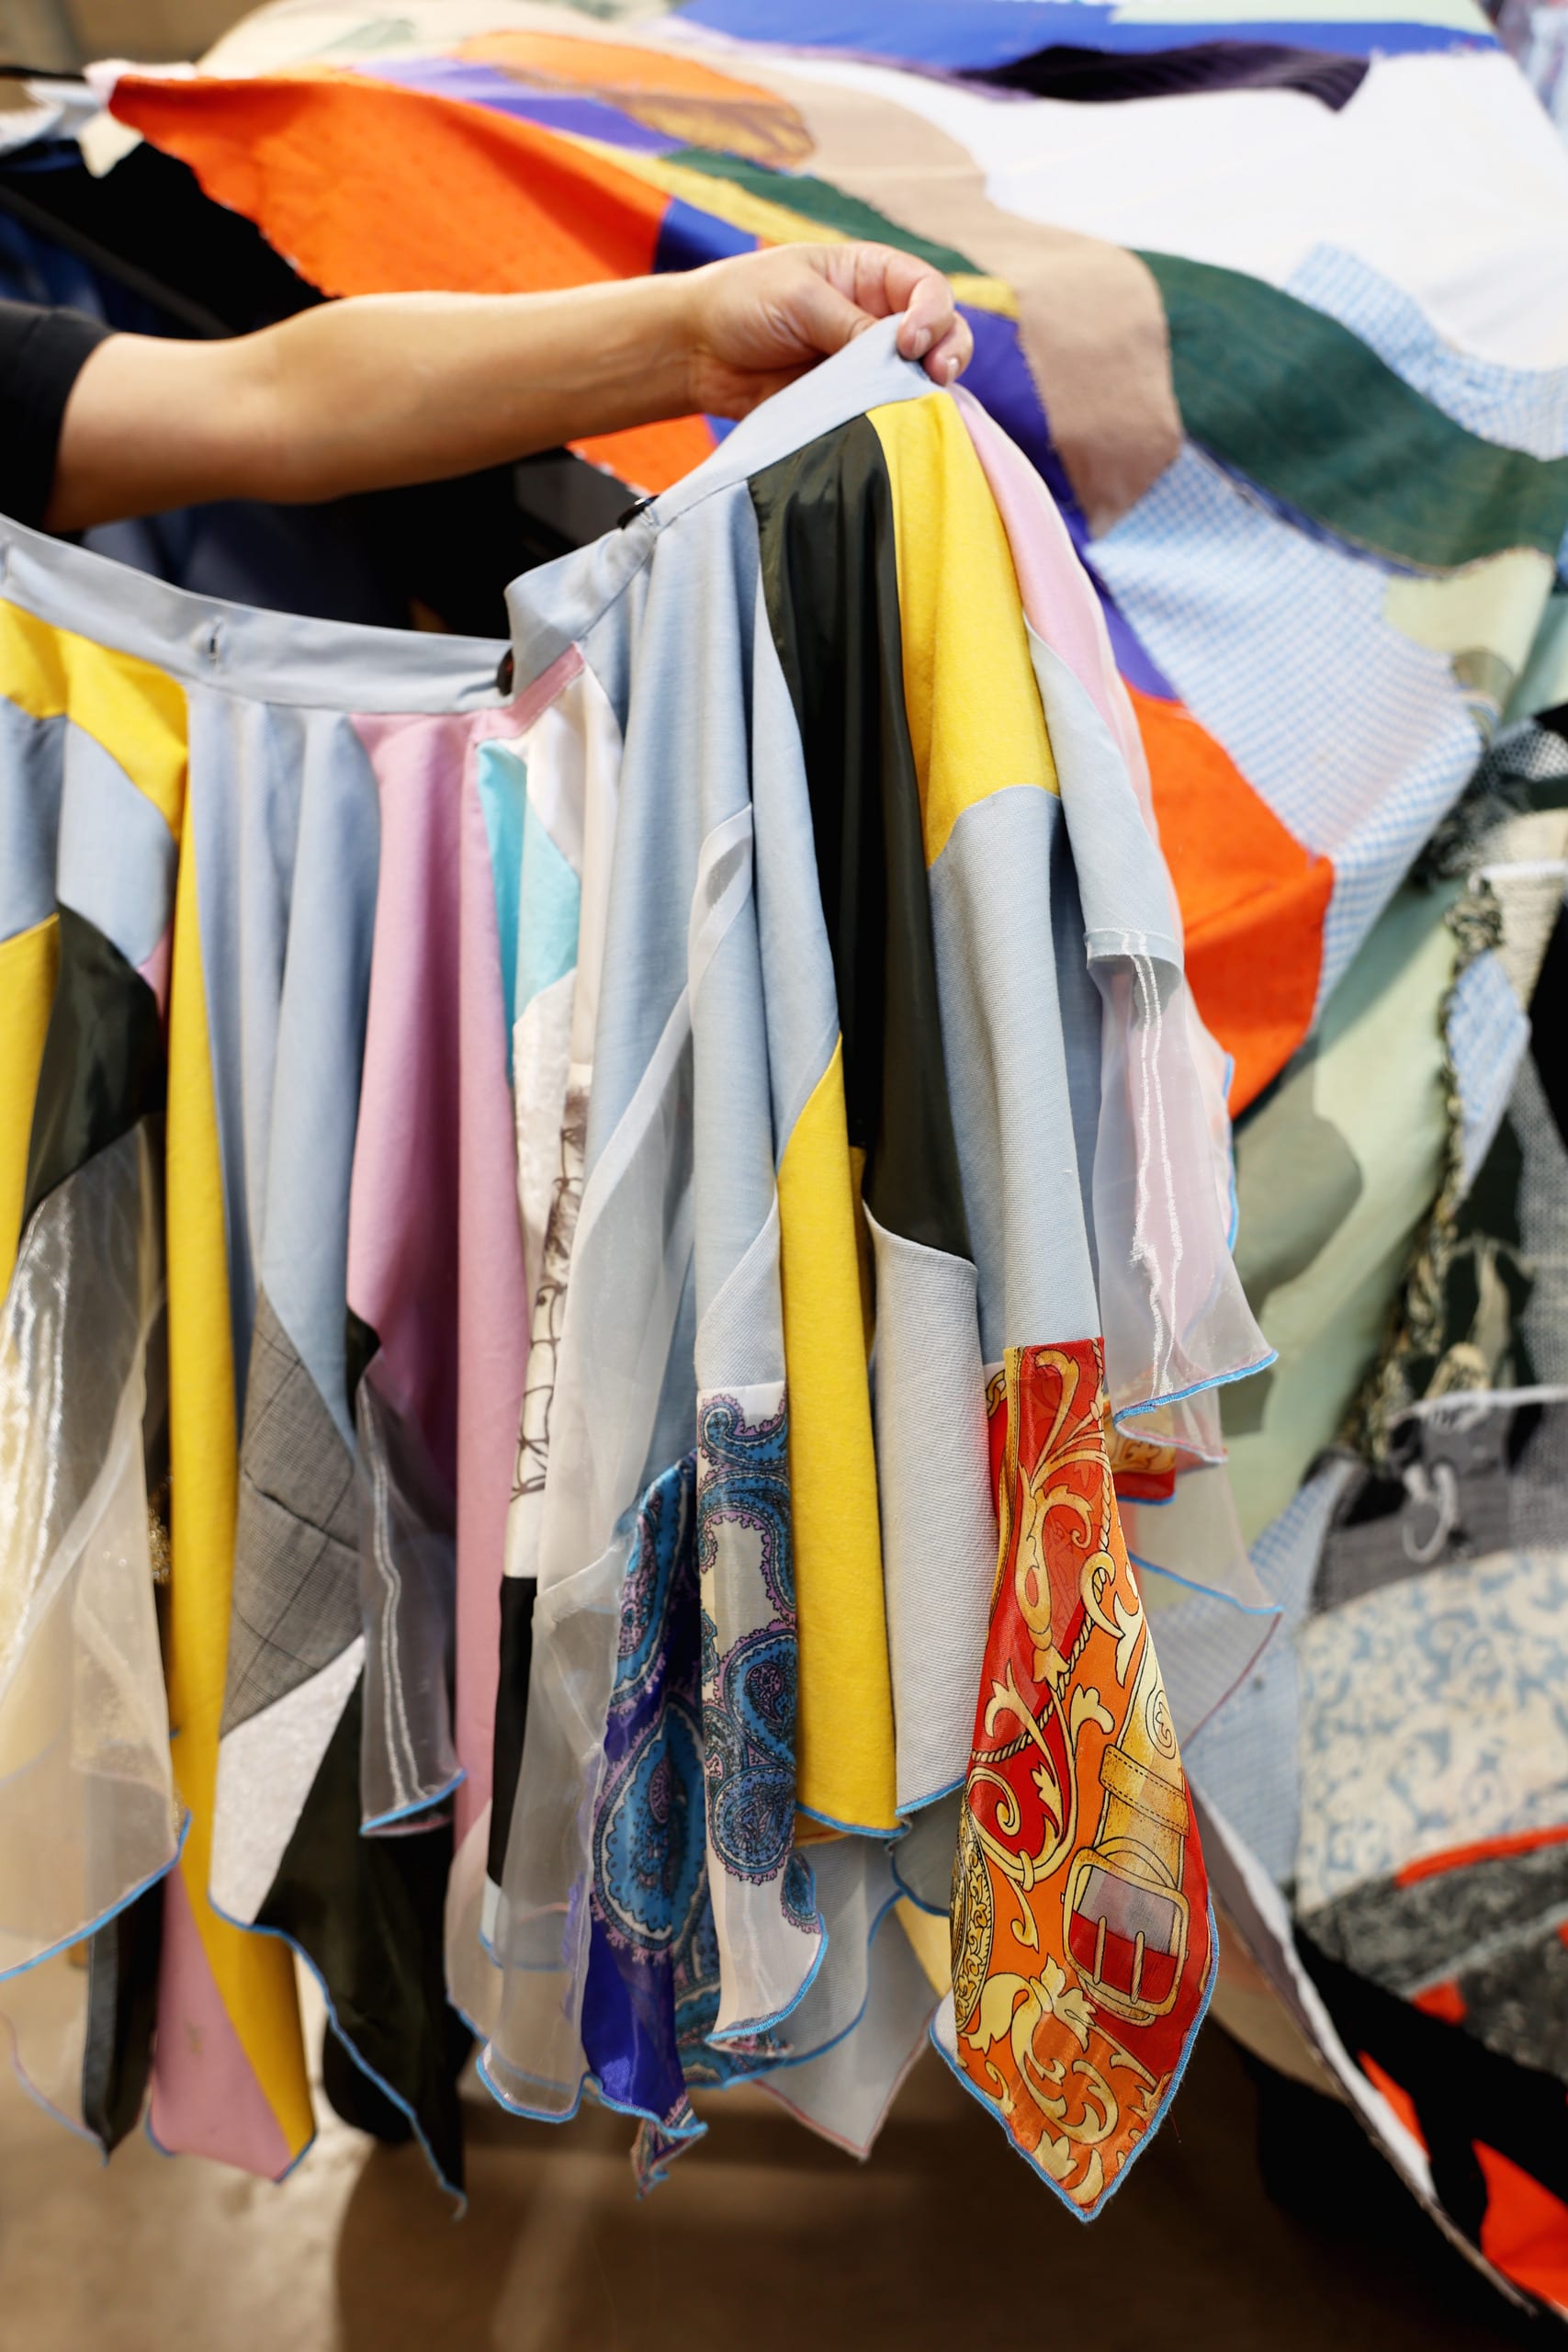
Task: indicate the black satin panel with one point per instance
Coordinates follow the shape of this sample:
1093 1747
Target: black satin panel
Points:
367 1914
1097 76
103 1059
830 574
511 1712
122 2010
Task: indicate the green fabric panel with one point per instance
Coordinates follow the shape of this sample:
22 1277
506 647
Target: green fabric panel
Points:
820 201
1336 1167
1301 407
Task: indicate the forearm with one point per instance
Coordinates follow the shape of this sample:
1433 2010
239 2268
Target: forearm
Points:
367 394
412 388
404 388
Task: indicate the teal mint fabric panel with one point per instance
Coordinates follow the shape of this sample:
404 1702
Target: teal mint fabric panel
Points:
819 200
1287 397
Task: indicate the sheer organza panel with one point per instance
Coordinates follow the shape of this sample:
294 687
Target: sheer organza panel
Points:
1173 1312
407 1572
534 2058
88 1806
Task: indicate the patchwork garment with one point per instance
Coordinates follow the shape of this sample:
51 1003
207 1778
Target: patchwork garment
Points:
1320 519
876 934
554 1219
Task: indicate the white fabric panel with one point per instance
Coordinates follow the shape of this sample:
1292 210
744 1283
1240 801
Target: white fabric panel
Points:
939 1518
1443 172
266 1767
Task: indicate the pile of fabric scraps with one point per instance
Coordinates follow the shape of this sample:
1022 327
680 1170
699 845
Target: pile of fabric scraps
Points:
816 1293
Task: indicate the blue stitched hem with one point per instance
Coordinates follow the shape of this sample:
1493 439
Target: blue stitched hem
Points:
372 1822
850 1828
1179 1396
253 1927
1209 1591
766 2025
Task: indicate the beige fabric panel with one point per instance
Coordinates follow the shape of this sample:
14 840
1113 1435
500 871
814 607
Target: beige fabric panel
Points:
1090 314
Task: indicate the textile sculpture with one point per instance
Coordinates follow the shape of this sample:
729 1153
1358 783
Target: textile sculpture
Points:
607 1131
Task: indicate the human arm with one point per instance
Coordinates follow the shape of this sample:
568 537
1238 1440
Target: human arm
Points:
384 389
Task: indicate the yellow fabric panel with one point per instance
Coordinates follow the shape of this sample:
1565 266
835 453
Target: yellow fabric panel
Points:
136 712
254 1974
844 1729
28 963
931 1939
776 225
975 722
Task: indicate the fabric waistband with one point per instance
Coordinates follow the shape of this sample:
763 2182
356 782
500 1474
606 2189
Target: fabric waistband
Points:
239 649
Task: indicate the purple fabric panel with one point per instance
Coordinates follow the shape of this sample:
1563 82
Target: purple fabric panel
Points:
981 33
487 85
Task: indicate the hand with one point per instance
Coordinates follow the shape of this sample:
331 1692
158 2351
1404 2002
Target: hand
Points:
758 321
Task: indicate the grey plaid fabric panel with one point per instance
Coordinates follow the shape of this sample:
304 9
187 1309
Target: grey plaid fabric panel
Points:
1492 1928
296 1596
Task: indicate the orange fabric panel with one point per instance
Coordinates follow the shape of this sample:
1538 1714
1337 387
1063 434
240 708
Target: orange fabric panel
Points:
649 457
680 96
369 189
1400 2100
579 62
1253 899
1524 2229
1486 1850
1445 2001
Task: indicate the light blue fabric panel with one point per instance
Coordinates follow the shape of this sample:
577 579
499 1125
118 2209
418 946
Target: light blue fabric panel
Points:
503 777
1123 884
798 963
538 898
117 857
288 842
1488 1036
550 909
560 604
683 768
246 762
1357 737
1522 408
1005 1044
320 1049
1243 1757
31 764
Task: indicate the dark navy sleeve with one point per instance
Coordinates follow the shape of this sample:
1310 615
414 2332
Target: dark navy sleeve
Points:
41 354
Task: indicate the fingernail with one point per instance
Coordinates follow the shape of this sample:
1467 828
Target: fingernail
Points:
920 342
952 366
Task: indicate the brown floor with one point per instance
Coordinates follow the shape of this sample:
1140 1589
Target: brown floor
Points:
763 2239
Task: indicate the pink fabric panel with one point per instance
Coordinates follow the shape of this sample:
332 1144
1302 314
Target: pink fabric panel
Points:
402 1217
206 2100
1057 594
493 1307
155 970
434 1245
